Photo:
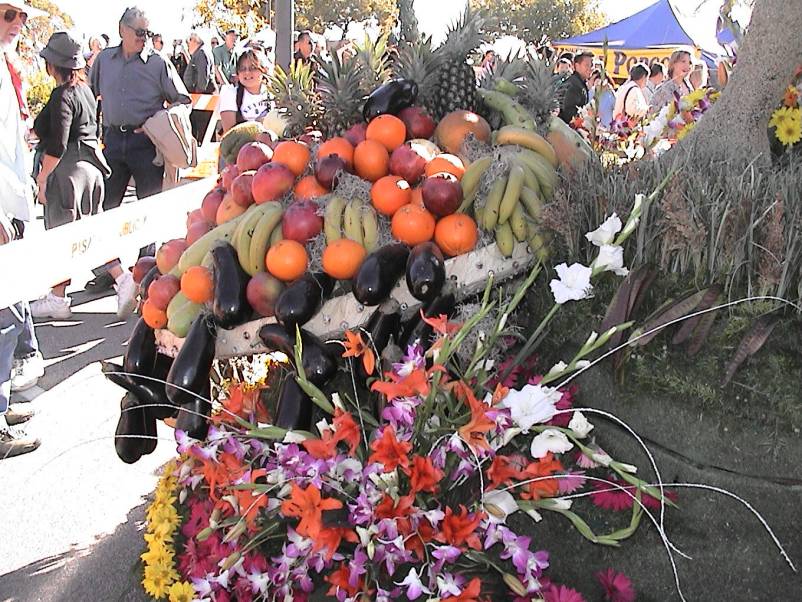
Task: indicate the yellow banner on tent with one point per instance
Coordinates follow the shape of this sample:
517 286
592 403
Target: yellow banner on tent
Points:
619 61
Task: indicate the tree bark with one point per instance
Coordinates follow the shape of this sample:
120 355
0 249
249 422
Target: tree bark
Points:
737 124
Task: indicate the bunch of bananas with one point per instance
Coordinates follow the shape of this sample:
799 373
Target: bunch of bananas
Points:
260 228
355 220
515 200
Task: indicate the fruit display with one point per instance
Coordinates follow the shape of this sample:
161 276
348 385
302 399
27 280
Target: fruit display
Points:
362 221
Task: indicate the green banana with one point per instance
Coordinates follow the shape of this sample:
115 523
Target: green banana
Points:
370 228
194 254
518 223
511 110
519 136
545 173
532 202
276 235
511 193
333 218
505 239
260 241
505 86
470 181
493 203
352 225
244 238
478 215
538 242
530 179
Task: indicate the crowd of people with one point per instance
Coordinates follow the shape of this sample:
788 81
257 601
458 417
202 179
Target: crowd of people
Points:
580 80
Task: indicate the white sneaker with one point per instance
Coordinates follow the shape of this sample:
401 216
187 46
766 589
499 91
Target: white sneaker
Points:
127 290
27 372
51 306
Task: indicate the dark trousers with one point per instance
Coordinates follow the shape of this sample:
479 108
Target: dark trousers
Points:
129 154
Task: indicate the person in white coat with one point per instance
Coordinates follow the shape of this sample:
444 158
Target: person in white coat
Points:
630 101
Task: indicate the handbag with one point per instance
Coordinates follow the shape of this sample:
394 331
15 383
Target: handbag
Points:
171 133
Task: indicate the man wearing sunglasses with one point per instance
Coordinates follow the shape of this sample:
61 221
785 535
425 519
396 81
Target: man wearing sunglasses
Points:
135 82
21 364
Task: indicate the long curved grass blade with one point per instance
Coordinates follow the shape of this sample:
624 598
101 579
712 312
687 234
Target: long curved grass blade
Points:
750 344
702 330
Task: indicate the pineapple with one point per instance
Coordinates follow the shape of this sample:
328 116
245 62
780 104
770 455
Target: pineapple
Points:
456 80
341 86
295 97
408 21
538 90
375 62
418 62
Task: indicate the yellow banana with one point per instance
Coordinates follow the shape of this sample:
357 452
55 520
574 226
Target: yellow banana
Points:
478 215
530 179
333 218
352 225
505 240
245 238
493 203
545 173
260 241
370 228
538 242
470 181
276 235
511 134
194 254
532 202
518 222
511 193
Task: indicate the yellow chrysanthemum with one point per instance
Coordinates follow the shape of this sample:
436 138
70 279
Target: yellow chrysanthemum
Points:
158 579
161 515
158 554
790 132
182 592
782 116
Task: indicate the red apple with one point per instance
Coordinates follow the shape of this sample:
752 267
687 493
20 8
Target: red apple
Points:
162 290
196 215
419 123
271 182
262 292
311 137
328 169
356 133
253 155
211 202
196 230
301 221
169 253
442 194
142 266
407 163
267 138
241 190
227 176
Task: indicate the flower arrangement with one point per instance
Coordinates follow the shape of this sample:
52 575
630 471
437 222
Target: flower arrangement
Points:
785 125
677 119
618 143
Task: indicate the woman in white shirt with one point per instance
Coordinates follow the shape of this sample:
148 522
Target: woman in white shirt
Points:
629 100
248 100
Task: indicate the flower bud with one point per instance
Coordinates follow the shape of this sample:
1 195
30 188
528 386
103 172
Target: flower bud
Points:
514 584
231 561
204 534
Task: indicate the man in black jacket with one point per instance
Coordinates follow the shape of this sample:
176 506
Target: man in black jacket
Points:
573 92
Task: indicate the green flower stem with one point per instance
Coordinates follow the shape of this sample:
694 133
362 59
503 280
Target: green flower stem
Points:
531 341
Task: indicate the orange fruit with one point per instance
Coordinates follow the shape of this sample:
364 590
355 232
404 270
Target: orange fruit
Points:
456 234
287 260
153 316
389 194
449 163
412 225
417 196
371 160
309 188
389 130
295 155
337 146
197 284
342 258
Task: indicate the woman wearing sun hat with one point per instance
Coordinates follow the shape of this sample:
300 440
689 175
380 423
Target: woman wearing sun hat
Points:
73 168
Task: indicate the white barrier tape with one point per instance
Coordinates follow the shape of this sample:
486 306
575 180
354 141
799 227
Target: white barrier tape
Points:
29 267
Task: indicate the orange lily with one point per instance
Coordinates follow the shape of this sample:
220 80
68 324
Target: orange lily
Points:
470 593
415 383
308 505
423 475
250 500
242 401
330 538
222 473
345 429
441 324
459 529
356 347
544 467
389 451
473 433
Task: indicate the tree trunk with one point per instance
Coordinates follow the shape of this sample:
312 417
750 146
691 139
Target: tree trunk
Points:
772 49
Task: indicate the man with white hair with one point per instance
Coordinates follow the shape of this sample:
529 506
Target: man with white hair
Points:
198 76
21 364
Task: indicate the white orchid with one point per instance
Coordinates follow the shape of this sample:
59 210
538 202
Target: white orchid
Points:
573 284
605 234
499 505
611 259
533 404
550 441
580 425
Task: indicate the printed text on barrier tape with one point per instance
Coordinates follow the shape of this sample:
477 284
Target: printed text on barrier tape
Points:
32 265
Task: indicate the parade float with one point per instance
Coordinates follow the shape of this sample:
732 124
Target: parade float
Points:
341 344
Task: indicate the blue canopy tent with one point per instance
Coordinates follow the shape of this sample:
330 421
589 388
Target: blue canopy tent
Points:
648 36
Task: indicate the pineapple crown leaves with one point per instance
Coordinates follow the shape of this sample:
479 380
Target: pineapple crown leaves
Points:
375 60
295 96
512 69
418 62
538 92
464 34
340 85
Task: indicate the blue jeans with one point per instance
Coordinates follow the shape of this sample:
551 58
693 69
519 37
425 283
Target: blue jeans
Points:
17 341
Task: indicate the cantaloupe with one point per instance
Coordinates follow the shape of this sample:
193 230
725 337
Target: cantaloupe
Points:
455 127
